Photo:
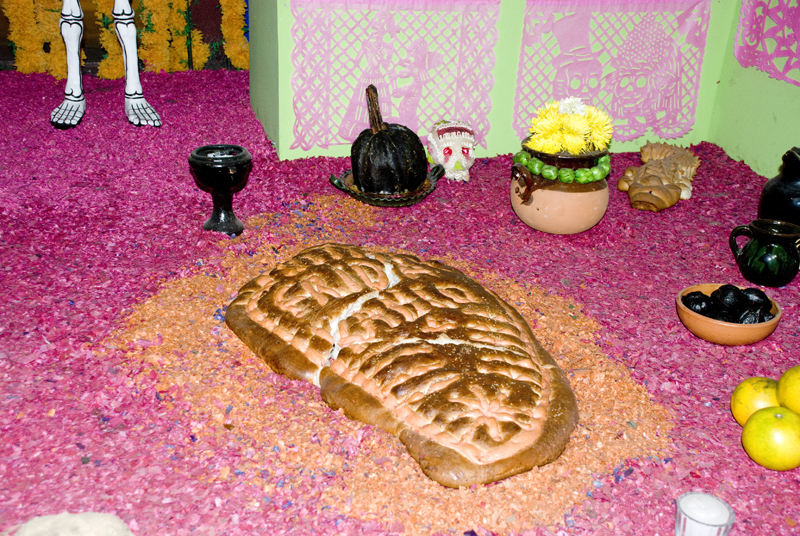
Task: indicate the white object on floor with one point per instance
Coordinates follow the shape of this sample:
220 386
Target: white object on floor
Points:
66 524
702 514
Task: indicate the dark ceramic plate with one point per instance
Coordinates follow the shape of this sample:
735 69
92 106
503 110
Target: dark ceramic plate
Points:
345 183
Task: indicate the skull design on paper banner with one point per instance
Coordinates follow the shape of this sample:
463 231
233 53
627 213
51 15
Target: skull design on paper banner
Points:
452 144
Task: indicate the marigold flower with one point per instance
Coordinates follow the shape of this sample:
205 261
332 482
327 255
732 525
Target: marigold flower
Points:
236 46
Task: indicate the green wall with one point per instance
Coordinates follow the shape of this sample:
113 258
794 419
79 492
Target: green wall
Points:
265 49
756 118
757 131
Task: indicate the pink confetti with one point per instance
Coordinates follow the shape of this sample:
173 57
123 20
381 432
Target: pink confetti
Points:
96 218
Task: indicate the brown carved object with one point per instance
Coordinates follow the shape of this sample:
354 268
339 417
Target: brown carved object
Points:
418 349
664 178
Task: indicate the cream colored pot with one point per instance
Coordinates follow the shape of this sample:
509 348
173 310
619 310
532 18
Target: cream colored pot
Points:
559 208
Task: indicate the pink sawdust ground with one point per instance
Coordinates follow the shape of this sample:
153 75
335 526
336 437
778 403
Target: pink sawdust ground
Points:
94 220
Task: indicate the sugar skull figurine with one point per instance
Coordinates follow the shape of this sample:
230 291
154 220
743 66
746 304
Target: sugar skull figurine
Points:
452 144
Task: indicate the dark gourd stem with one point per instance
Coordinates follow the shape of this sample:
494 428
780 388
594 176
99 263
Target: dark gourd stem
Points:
376 123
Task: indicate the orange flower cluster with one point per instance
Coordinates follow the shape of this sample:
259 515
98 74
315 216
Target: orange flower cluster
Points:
112 66
163 45
39 48
237 47
160 46
36 37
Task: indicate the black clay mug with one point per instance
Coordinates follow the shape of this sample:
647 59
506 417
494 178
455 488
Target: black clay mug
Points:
771 256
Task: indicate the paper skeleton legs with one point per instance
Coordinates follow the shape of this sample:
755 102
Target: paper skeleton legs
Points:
70 112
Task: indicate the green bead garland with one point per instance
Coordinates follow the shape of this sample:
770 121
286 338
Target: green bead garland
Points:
566 175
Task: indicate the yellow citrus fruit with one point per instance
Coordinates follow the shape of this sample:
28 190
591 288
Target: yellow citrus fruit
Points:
771 437
751 395
789 389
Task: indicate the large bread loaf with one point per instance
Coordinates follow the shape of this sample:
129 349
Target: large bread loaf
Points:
418 349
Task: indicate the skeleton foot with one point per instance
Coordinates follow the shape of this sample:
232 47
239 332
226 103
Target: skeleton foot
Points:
139 112
69 113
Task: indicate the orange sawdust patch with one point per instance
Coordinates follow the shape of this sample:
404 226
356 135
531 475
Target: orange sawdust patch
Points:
235 400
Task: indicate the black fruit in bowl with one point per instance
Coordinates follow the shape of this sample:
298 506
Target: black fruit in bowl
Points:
729 303
754 316
698 302
757 298
730 296
722 314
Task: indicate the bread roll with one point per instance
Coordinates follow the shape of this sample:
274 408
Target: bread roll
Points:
666 169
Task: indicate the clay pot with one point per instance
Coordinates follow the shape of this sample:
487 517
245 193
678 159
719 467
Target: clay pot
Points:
556 207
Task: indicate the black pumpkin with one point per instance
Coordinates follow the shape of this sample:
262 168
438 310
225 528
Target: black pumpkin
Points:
387 158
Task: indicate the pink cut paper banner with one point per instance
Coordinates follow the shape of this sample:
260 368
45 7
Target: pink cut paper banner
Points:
639 61
769 38
398 5
429 60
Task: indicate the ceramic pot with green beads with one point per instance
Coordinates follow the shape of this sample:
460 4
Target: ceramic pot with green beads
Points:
560 193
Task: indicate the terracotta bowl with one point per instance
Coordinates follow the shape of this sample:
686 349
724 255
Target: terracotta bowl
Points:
719 332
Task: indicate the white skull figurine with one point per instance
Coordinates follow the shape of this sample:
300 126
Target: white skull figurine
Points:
452 144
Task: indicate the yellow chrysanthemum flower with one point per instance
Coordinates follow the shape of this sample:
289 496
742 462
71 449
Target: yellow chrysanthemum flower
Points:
549 110
601 129
545 126
574 144
534 142
546 144
580 129
544 117
575 124
575 129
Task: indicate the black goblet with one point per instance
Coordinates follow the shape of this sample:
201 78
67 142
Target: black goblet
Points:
222 171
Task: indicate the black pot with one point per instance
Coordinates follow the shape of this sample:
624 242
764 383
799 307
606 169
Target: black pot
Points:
221 170
780 197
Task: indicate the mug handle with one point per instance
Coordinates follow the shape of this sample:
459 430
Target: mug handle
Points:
739 230
528 178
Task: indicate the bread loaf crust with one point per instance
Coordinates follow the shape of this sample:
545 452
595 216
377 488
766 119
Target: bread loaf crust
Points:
417 349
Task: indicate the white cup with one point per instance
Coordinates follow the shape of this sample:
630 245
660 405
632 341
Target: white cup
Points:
701 514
